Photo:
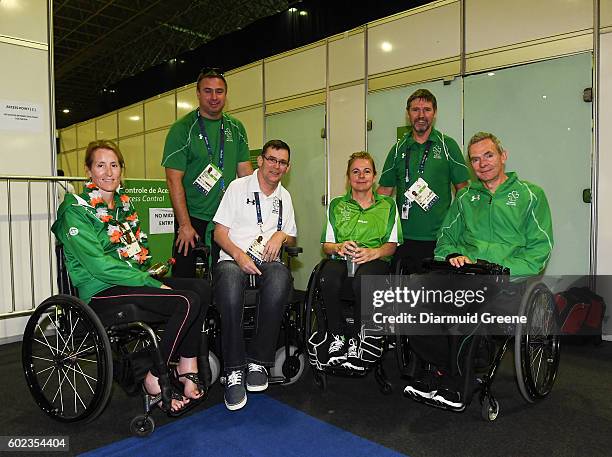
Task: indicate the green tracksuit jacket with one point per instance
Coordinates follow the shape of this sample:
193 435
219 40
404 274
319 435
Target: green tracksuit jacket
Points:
92 260
511 227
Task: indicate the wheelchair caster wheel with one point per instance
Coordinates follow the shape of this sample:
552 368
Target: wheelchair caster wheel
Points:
289 368
142 426
320 379
490 409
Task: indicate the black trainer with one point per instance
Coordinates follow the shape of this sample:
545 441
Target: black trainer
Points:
420 387
235 393
448 397
257 378
353 361
336 351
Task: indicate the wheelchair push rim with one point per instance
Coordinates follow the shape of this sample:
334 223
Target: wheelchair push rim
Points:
536 346
67 360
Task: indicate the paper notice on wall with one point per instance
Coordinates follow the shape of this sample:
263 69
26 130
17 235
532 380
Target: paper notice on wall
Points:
20 116
161 220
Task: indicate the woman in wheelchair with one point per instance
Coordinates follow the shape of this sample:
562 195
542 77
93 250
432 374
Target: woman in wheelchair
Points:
107 259
360 236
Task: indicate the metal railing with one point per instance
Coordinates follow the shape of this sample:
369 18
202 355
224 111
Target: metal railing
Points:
49 195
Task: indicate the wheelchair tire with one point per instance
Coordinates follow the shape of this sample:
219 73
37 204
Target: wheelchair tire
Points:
536 347
489 409
292 368
142 426
215 367
67 360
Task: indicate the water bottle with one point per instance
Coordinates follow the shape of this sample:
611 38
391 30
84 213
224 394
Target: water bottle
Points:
160 269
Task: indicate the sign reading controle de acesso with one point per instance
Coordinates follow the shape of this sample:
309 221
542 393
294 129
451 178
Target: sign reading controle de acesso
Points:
21 116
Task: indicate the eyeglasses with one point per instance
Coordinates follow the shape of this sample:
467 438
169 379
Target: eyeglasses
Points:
211 71
275 161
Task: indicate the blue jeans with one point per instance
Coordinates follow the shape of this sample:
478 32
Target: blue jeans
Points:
274 286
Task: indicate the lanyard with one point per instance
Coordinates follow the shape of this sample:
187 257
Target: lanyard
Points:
421 168
204 136
279 225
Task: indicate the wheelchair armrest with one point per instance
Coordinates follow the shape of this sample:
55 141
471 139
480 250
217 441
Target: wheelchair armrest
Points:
481 267
293 251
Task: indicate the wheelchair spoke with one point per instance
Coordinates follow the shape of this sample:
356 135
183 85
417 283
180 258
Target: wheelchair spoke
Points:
67 378
45 369
85 376
48 378
82 351
46 343
42 358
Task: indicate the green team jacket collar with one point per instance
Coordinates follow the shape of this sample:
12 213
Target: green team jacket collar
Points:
435 137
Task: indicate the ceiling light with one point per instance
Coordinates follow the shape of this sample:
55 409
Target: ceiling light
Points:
386 46
293 10
303 13
65 111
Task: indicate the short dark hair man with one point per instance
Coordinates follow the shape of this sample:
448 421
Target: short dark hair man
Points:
253 222
499 218
204 152
421 167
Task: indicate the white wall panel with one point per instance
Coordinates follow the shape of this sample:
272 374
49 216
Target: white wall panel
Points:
134 156
106 127
86 132
25 19
346 59
605 13
428 36
346 132
154 142
604 190
253 120
186 100
297 73
24 78
159 112
494 23
130 121
244 87
68 138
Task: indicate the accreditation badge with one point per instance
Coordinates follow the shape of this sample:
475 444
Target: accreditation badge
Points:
256 250
420 193
129 240
208 178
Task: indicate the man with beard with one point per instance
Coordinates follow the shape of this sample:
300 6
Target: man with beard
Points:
421 166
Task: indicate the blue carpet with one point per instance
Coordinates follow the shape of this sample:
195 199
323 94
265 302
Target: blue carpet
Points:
265 427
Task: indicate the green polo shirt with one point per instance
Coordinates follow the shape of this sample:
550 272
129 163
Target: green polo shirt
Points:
444 165
371 227
185 150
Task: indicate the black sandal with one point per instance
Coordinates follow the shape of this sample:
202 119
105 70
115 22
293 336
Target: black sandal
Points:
193 377
151 400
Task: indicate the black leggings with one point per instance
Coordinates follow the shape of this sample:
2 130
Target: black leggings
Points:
336 285
184 306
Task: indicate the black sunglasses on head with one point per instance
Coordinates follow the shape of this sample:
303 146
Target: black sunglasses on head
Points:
211 71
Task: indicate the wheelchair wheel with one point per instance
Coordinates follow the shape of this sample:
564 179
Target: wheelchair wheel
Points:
67 360
142 426
536 347
215 367
489 409
290 368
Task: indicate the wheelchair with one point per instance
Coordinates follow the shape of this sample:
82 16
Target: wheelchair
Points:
71 354
315 322
536 347
289 361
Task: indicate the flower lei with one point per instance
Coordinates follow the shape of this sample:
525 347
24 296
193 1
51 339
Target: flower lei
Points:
112 225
